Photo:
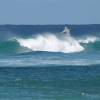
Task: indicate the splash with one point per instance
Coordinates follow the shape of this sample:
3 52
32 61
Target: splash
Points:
52 43
88 39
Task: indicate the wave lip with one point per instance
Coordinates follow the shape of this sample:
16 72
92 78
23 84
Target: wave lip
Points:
51 43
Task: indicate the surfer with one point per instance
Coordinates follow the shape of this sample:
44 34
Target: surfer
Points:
66 31
67 36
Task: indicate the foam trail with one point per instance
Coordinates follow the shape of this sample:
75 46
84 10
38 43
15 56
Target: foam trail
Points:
50 42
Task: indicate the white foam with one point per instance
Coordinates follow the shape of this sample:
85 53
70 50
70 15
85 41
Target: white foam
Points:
88 39
50 42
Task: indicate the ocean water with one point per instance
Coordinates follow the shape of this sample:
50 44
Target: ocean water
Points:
40 62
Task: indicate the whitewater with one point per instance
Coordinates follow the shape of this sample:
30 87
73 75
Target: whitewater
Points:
51 43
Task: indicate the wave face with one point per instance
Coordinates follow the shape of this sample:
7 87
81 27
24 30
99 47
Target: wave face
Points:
90 43
11 46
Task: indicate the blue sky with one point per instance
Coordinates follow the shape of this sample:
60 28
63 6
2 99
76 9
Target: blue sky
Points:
49 11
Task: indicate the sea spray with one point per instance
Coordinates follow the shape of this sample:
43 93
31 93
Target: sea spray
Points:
88 39
52 43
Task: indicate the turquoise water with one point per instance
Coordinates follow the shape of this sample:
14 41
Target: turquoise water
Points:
41 63
51 83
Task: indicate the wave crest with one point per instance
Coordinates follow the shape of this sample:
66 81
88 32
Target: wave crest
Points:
88 39
52 43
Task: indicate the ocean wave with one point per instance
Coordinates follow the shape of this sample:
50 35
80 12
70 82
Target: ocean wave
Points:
52 43
90 43
11 46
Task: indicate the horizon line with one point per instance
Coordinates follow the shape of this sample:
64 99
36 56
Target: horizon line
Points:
47 24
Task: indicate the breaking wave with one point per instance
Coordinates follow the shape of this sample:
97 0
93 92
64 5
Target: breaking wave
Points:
90 43
50 43
88 39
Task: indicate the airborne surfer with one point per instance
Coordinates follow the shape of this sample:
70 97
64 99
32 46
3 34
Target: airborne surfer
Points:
66 31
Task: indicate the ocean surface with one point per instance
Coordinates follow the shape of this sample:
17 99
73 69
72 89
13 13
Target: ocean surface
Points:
40 62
